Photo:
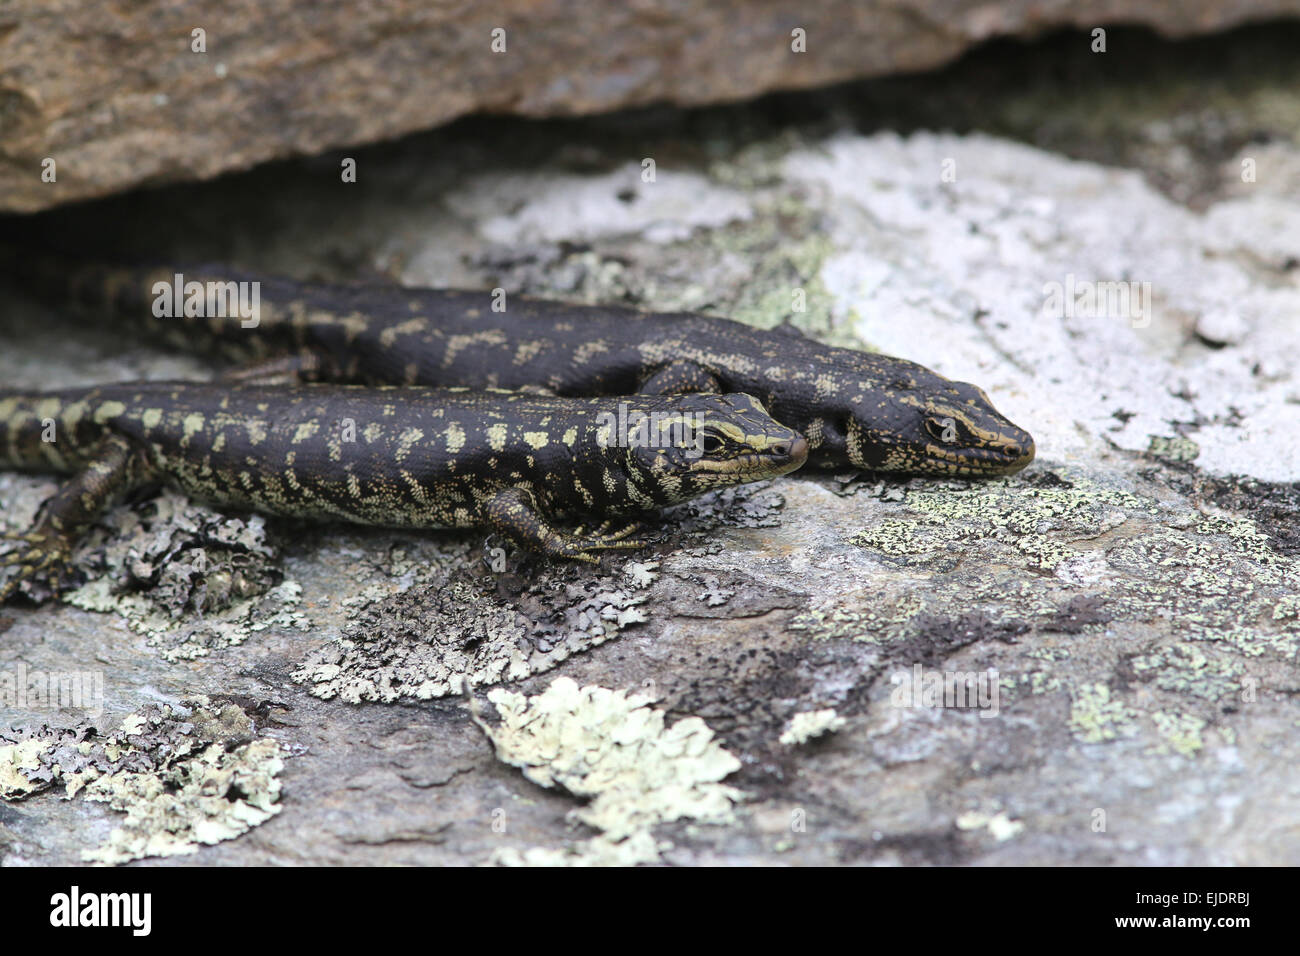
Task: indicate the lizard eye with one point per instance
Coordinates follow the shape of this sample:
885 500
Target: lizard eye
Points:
713 444
944 430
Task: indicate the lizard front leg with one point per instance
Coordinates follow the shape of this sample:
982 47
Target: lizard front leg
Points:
66 515
513 512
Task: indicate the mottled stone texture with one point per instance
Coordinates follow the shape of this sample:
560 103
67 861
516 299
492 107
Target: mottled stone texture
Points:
116 96
1135 589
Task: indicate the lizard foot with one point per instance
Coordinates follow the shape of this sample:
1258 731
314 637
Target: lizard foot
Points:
606 532
44 554
581 547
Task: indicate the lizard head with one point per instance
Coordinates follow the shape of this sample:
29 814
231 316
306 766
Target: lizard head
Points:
704 442
921 423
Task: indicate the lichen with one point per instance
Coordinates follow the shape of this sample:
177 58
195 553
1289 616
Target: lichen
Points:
809 725
861 615
1115 557
786 256
1000 826
1173 448
1180 733
14 759
1096 717
459 628
439 639
188 578
634 850
1038 520
614 749
215 796
1200 670
753 505
184 774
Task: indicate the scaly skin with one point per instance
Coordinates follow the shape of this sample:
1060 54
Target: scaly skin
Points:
857 409
394 457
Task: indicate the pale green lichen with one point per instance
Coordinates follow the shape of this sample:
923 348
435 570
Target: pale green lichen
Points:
1039 682
615 749
456 629
1000 826
764 269
185 775
14 758
1217 579
1217 575
1173 448
808 725
861 615
633 850
1038 521
1096 717
1196 669
215 795
230 627
1180 733
1287 607
788 288
1196 595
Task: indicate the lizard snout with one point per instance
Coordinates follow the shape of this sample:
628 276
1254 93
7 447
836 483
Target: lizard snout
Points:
795 449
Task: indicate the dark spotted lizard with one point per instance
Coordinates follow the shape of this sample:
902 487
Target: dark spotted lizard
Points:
857 409
396 457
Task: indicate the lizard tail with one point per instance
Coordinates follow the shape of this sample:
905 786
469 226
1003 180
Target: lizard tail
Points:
208 308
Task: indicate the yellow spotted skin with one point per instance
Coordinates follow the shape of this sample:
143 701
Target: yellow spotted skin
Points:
857 409
393 457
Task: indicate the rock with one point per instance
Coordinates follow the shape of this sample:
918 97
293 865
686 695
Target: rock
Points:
1221 327
1091 662
135 96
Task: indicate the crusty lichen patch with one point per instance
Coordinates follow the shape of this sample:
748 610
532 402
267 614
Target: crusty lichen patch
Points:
214 796
785 250
1138 558
811 724
16 758
1179 733
477 628
185 775
199 636
1208 671
1181 613
1095 716
188 578
638 848
1173 448
1000 826
755 505
1040 520
764 268
861 615
615 749
431 641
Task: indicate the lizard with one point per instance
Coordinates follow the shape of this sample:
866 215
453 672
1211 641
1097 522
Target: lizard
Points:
417 458
857 409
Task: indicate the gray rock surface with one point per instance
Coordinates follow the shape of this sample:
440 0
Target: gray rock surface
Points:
154 92
1134 592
